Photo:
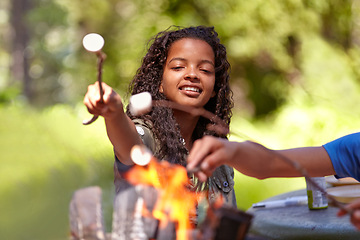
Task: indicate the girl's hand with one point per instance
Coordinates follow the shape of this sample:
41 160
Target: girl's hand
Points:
355 216
208 153
111 104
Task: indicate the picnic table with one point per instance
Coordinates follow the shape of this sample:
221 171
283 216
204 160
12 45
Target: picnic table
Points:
298 222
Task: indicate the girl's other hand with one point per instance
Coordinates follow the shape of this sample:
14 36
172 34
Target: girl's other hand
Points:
207 154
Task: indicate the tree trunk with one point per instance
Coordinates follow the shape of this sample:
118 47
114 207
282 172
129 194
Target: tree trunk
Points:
355 39
20 39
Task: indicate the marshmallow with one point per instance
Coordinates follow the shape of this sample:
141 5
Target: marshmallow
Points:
93 42
140 155
140 103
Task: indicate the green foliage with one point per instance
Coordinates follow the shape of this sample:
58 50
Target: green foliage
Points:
323 107
264 41
6 95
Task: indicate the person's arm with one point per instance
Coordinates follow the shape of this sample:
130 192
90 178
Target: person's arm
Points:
255 160
120 129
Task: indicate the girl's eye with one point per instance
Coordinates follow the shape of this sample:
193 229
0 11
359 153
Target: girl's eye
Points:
206 71
177 68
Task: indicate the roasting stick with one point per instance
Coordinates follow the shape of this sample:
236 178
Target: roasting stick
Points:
142 103
93 42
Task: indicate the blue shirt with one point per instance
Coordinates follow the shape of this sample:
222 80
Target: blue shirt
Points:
344 153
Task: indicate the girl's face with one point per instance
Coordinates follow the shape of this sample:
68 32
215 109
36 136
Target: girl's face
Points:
189 73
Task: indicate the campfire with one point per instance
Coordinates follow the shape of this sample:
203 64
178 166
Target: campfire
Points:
176 202
173 212
156 202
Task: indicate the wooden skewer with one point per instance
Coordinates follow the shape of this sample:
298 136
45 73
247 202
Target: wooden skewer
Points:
101 58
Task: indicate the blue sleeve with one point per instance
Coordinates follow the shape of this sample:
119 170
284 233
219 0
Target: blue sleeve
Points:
344 153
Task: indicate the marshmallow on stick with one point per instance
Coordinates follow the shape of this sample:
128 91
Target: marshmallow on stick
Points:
93 42
140 103
140 155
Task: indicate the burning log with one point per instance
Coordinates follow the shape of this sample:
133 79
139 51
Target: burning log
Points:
133 219
132 216
225 223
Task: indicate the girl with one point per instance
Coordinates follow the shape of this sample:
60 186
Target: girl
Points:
187 66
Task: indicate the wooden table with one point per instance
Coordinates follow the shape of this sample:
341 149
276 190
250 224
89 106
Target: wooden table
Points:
298 222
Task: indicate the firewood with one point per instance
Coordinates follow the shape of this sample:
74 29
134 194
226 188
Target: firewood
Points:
225 223
86 219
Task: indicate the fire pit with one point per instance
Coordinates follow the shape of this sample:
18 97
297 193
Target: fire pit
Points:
145 209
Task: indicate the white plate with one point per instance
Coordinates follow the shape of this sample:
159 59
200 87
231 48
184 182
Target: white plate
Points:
333 181
345 194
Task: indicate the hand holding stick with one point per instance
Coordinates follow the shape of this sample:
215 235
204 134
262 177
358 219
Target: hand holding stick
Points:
93 42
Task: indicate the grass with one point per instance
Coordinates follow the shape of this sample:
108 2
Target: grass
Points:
45 157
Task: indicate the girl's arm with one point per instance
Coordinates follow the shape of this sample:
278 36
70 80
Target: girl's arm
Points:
120 129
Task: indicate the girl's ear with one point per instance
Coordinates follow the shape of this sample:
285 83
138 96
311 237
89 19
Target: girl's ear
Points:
161 89
213 94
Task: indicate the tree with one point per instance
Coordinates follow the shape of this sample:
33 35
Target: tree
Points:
20 38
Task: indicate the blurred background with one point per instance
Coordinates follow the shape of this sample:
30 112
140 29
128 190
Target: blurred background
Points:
295 76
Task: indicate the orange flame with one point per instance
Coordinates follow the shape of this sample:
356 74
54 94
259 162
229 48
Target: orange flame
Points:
175 202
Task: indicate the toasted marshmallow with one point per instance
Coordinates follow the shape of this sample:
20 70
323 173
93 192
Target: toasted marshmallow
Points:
93 42
140 155
140 103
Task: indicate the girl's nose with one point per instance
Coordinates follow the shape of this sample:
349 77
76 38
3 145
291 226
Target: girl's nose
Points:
191 74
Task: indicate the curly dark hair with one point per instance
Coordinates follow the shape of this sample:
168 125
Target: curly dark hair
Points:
148 78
